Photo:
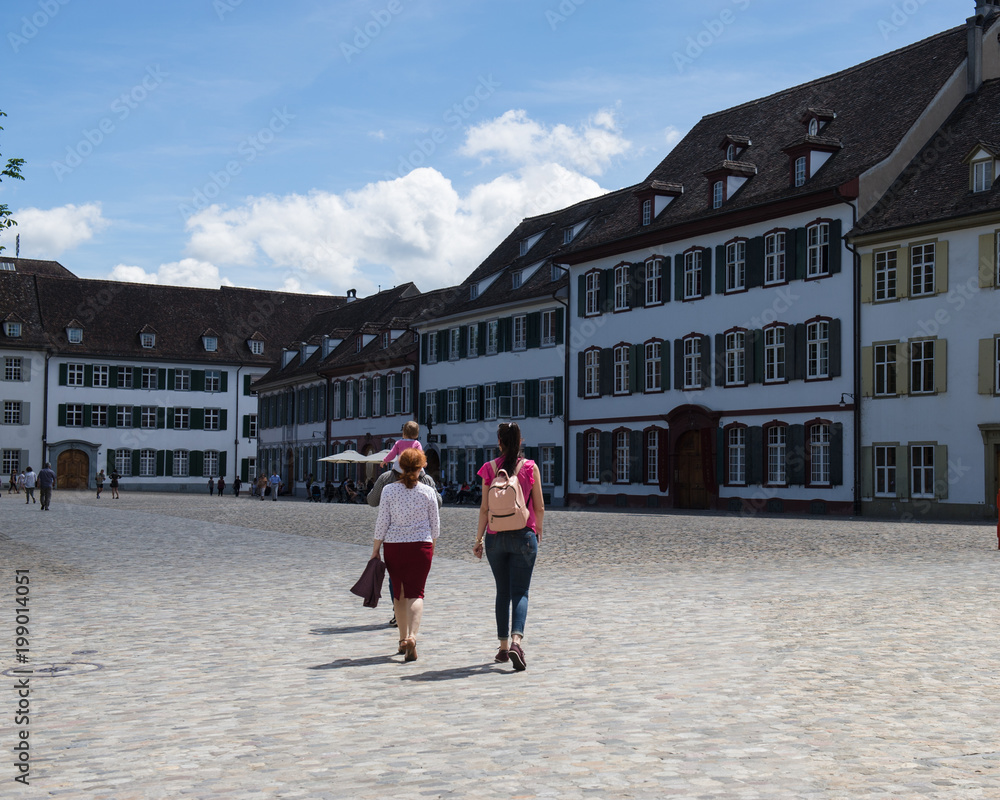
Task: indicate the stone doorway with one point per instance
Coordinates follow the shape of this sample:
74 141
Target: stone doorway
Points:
72 470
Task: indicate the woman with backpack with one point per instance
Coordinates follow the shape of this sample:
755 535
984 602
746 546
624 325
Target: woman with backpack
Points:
509 534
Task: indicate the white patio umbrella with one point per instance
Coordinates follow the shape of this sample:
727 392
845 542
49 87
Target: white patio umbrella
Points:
375 458
347 457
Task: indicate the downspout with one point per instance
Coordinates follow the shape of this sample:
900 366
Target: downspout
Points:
45 408
566 362
856 355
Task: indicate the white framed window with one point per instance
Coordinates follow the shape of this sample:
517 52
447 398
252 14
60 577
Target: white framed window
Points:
492 336
593 289
99 416
885 370
363 398
124 377
885 470
654 282
11 461
593 457
182 380
213 380
653 352
818 250
692 274
13 330
800 171
885 275
592 373
622 353
922 366
490 401
922 269
376 410
181 464
647 211
736 358
454 405
550 330
210 465
520 332
718 194
74 374
256 347
517 399
147 463
774 354
102 376
982 175
123 463
473 291
547 464
652 456
621 287
432 347
123 417
776 443
818 349
150 378
736 266
148 341
386 339
430 405
211 343
74 415
471 403
515 279
251 426
547 397
359 344
147 417
472 345
12 413
74 335
454 343
819 454
736 445
922 471
523 248
622 456
13 368
213 419
774 258
351 393
692 362
567 235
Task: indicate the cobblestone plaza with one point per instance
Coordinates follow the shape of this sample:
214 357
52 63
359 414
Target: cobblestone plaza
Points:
206 647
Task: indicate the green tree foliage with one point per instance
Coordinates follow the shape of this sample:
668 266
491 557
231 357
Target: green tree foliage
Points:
12 170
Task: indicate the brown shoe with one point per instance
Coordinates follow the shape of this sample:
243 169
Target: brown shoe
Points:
411 650
517 657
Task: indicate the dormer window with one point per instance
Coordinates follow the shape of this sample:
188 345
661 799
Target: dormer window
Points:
147 340
74 335
647 211
800 170
982 170
211 343
386 338
731 152
524 247
718 194
813 127
473 291
12 329
515 279
256 347
982 175
358 344
568 235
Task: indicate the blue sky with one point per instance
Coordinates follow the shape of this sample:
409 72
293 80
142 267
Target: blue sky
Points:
320 146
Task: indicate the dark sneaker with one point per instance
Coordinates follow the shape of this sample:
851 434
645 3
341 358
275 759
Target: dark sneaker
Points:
392 622
501 657
517 657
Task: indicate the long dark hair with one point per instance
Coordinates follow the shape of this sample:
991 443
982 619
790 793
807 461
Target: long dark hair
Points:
509 437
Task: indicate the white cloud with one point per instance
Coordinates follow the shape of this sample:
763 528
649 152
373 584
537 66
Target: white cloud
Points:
517 139
48 233
415 228
186 272
672 136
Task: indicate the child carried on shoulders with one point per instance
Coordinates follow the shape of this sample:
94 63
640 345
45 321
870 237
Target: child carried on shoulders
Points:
411 430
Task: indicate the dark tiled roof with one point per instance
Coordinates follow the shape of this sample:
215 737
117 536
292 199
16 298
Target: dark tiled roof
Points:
18 303
893 89
31 266
935 186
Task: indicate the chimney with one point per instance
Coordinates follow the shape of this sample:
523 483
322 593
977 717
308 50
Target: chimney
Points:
352 294
975 26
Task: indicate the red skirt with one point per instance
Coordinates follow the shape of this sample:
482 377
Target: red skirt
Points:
408 564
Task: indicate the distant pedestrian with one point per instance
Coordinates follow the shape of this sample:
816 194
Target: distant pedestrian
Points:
46 482
100 483
275 485
211 486
237 483
261 486
221 485
29 485
20 481
12 485
115 478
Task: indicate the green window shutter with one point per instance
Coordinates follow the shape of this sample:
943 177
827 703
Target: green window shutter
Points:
222 463
481 344
902 471
581 369
719 364
868 371
88 374
636 377
225 381
113 376
665 364
534 332
665 279
755 455
560 325
941 471
636 467
835 348
62 415
171 379
706 361
605 456
607 301
836 246
112 416
868 472
136 418
867 277
423 348
800 252
606 372
837 454
706 271
422 409
940 366
196 463
987 366
160 462
581 458
795 455
941 268
246 384
170 417
136 377
581 296
678 279
63 370
903 272
197 380
111 461
161 417
223 419
161 378
246 426
197 417
557 470
755 262
136 463
559 395
987 261
244 469
168 463
531 393
720 269
87 410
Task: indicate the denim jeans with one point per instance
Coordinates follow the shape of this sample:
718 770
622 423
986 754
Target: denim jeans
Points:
512 558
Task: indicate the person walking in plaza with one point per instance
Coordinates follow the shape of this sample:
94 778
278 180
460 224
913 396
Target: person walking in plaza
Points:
511 554
411 430
115 478
211 486
30 479
46 482
261 485
408 524
237 483
100 483
12 485
275 486
221 485
20 481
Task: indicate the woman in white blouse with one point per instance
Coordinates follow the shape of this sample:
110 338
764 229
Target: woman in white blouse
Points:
408 523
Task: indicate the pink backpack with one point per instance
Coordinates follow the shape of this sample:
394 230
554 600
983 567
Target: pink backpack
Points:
505 504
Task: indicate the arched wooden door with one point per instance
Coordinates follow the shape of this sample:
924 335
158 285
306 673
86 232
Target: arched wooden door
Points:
689 484
72 470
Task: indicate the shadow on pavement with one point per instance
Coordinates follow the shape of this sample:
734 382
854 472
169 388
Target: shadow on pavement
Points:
355 662
348 629
456 673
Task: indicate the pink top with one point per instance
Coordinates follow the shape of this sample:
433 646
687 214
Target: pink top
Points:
526 476
400 446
